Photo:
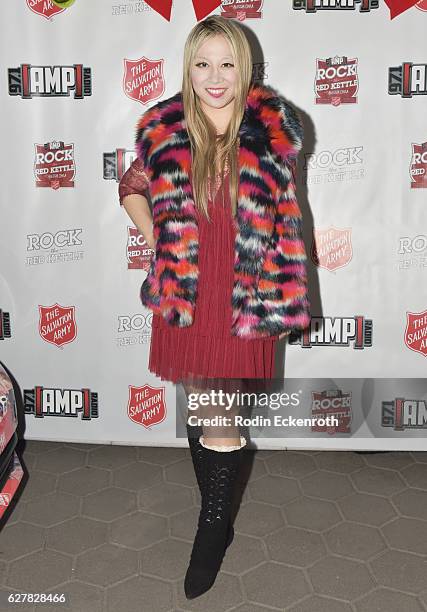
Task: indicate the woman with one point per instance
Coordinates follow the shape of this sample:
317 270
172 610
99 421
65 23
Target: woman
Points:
228 277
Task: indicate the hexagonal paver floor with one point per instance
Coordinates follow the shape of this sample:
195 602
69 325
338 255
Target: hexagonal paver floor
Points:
112 527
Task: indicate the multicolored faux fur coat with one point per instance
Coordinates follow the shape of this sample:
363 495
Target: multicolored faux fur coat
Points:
270 280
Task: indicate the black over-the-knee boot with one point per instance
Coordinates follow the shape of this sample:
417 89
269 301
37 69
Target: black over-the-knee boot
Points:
198 456
210 543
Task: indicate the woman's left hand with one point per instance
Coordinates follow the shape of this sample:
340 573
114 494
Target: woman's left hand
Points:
283 334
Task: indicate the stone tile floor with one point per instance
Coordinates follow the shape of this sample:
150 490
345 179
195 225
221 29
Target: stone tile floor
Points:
112 527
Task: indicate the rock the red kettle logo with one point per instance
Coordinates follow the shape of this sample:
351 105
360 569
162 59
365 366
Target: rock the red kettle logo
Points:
332 248
57 324
418 166
416 332
336 80
236 9
45 8
138 253
143 79
146 405
54 165
334 403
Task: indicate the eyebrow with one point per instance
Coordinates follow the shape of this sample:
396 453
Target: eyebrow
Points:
203 57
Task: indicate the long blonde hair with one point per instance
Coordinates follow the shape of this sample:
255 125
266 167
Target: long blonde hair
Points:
208 151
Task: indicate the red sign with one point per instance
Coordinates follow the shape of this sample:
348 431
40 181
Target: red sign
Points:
45 8
143 79
241 10
54 165
332 248
202 8
57 324
334 404
146 405
418 166
399 6
336 81
416 332
138 253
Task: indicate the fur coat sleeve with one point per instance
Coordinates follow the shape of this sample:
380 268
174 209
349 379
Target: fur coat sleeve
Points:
282 280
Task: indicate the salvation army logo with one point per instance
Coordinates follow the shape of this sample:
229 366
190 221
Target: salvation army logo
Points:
331 248
418 166
57 324
146 405
336 80
54 164
143 79
45 8
241 10
416 332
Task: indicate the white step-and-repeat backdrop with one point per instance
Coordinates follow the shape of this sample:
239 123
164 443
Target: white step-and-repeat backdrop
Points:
73 332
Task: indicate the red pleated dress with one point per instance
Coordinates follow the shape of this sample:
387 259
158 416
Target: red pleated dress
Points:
207 349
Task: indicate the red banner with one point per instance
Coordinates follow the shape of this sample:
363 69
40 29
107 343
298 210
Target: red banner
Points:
399 6
202 8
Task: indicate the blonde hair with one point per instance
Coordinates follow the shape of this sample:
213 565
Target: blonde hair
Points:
208 151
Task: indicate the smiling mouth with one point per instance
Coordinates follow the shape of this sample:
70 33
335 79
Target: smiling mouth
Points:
216 92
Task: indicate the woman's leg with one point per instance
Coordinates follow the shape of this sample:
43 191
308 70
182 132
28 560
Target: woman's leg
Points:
220 431
216 466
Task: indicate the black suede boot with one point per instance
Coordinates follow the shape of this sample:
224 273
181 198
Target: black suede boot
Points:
198 455
210 543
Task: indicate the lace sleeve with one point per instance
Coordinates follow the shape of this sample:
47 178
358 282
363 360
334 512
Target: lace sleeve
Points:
134 180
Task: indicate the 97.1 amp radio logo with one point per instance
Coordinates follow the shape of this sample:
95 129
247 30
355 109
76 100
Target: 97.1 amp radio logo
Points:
4 324
30 81
312 6
402 413
50 401
408 80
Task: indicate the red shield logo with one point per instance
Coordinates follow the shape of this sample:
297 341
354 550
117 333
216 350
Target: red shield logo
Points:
331 248
45 8
242 10
336 404
143 79
57 324
336 81
418 166
146 405
416 332
54 165
138 253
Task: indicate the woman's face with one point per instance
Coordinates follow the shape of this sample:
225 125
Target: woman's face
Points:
213 74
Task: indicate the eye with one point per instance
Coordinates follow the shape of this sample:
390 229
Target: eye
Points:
224 64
